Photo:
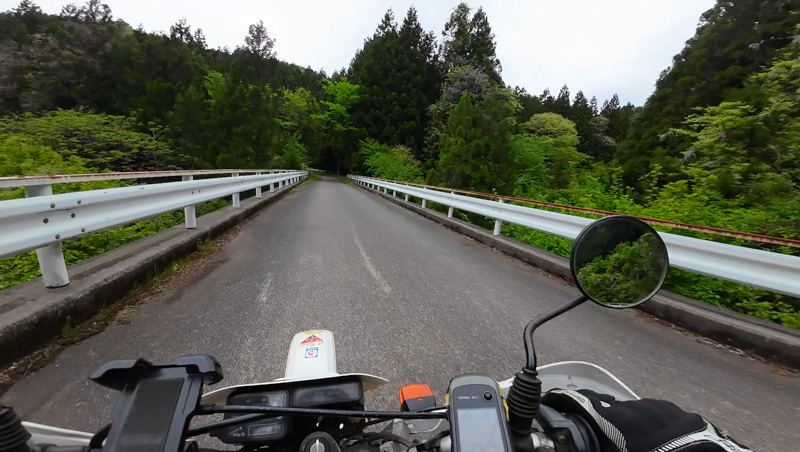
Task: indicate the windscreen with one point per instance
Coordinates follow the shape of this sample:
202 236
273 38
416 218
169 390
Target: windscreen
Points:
478 430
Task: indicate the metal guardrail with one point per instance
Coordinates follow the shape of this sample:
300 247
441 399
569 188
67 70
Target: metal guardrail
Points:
29 181
43 220
782 241
762 269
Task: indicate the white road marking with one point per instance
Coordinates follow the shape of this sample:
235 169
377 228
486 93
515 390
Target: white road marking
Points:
384 286
266 290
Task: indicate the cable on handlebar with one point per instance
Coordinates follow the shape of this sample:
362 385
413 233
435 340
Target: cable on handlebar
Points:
203 429
215 409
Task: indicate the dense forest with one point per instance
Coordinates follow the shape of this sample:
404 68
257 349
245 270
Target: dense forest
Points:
717 143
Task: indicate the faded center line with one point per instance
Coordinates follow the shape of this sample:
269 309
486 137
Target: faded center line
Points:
266 290
376 275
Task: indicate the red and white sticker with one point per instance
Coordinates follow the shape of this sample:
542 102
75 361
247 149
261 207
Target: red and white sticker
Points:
312 352
311 340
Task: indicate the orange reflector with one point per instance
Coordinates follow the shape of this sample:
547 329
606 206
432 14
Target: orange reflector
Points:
416 397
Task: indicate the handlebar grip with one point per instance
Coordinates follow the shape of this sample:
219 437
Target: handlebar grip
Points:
13 435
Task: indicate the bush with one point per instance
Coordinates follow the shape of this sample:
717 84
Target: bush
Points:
24 152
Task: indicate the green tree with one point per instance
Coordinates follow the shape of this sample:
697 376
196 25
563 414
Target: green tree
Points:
294 156
335 119
581 114
399 80
561 105
476 149
470 42
390 162
733 40
550 140
258 41
189 126
529 104
551 125
752 150
297 111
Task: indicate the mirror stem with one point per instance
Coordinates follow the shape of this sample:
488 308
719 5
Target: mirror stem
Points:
538 321
526 391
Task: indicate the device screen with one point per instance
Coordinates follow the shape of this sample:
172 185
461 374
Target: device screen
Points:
479 430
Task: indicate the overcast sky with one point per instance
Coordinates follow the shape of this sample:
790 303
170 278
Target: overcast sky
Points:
598 46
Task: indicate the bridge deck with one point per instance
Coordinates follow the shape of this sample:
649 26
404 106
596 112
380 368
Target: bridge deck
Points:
407 300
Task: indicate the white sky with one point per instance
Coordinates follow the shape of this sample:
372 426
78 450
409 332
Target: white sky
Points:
598 46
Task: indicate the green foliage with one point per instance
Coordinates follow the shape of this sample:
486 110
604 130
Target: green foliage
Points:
335 120
550 145
470 42
551 125
752 150
294 156
399 79
748 300
20 156
734 40
394 163
627 274
476 146
103 142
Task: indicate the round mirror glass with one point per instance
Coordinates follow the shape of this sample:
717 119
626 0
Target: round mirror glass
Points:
619 261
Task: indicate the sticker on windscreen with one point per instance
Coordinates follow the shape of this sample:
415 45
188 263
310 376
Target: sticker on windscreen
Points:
312 352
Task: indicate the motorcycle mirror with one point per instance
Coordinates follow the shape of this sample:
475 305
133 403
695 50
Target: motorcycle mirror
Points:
619 262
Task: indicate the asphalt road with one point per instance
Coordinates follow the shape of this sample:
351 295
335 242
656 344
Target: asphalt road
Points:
407 300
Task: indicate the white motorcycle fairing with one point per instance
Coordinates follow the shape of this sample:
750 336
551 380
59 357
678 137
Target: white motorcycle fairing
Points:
579 375
312 357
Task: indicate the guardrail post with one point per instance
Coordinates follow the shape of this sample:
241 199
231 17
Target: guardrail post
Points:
189 215
394 193
450 210
406 197
236 202
51 258
258 189
271 187
497 223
